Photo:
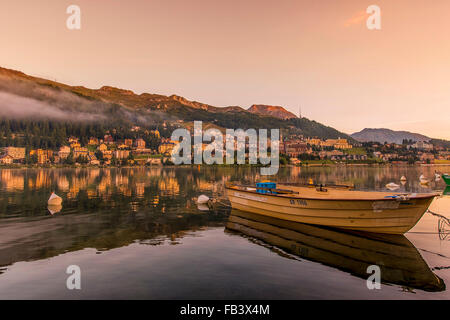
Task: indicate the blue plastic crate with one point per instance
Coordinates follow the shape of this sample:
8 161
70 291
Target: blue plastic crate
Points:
267 185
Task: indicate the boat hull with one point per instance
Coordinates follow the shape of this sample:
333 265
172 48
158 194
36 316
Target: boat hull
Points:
446 178
390 216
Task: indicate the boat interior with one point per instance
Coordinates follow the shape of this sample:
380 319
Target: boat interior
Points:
327 192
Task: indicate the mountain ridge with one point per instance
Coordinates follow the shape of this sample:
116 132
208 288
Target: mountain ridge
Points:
112 102
113 94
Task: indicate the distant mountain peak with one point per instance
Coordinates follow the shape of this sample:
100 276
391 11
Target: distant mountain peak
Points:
274 111
382 135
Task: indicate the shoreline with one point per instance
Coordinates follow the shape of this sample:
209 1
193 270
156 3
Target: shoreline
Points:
313 165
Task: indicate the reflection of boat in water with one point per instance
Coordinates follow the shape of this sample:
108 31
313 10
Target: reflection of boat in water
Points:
382 212
350 251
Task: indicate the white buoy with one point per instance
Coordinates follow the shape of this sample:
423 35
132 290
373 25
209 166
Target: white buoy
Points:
54 209
202 207
202 199
55 200
403 178
392 186
437 176
423 180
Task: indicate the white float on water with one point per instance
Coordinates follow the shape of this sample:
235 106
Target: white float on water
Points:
54 209
423 180
202 207
392 186
55 200
403 178
202 199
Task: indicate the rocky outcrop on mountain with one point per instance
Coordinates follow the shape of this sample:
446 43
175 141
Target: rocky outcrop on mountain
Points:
273 111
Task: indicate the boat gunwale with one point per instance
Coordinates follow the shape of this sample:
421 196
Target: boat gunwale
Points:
285 196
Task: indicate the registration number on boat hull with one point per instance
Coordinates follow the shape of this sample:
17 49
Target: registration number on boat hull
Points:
300 202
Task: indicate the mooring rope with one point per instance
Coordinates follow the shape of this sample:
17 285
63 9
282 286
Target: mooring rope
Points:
443 225
439 215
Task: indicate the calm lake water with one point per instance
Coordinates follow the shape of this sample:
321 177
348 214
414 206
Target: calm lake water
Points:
138 234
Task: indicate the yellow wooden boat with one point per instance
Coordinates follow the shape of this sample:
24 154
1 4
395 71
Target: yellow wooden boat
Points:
346 250
334 206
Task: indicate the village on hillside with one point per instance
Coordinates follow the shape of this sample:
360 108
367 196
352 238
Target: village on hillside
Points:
294 150
341 151
97 152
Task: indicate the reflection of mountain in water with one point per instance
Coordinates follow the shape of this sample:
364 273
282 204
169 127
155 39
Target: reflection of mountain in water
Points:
353 252
53 235
103 208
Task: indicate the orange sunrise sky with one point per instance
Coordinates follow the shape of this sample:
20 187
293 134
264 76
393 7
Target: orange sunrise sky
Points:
315 54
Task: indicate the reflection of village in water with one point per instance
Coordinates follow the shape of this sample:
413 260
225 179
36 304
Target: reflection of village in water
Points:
128 181
102 208
107 186
111 208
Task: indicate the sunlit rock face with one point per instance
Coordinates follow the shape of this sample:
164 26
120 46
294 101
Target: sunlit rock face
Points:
274 111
